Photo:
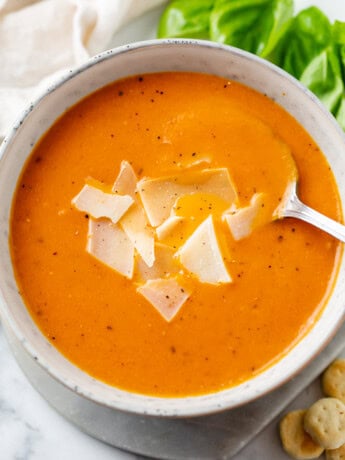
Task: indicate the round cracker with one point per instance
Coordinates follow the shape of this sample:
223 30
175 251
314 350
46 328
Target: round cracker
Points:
296 442
333 380
325 422
336 454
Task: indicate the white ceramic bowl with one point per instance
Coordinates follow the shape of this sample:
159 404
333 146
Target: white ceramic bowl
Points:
63 384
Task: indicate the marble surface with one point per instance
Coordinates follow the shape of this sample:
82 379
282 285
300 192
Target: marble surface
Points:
31 430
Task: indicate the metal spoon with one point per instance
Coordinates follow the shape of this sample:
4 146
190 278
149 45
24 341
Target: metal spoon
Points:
291 206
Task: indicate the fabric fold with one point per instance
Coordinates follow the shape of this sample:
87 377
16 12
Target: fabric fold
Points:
41 39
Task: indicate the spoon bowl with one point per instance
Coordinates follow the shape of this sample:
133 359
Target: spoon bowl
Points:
292 206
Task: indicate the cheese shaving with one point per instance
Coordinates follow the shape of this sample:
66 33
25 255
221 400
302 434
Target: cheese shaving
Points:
168 226
243 221
126 181
135 222
108 243
165 264
201 255
99 204
166 295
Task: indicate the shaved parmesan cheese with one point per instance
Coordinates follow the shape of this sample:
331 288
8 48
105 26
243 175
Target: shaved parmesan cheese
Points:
166 295
98 204
243 221
165 229
135 224
126 181
108 243
165 264
201 255
159 195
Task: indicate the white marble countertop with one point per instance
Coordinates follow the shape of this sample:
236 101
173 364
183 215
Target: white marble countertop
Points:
31 430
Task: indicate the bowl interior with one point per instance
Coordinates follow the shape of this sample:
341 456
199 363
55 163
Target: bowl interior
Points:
141 58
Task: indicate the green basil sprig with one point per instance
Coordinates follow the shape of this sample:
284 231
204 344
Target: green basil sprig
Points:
186 19
308 34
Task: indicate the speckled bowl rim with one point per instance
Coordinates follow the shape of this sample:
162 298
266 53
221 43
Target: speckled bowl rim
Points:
187 406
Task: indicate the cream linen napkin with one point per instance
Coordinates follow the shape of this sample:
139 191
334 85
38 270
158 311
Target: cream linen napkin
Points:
41 38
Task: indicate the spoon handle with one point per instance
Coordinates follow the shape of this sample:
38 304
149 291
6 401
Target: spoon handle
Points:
295 208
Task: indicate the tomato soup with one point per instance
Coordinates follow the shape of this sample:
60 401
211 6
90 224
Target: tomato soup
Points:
224 333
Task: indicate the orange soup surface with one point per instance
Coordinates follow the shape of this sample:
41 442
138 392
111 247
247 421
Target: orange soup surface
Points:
165 124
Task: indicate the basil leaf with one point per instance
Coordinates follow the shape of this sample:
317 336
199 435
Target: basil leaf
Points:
339 32
187 19
253 25
309 33
340 114
339 39
323 76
